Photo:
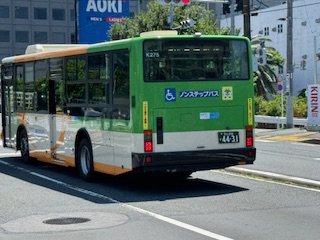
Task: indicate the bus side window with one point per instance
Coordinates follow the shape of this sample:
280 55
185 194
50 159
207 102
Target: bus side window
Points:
76 79
121 103
99 78
19 83
29 86
41 86
56 86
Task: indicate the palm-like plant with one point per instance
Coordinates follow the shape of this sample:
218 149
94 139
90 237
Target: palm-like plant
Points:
265 76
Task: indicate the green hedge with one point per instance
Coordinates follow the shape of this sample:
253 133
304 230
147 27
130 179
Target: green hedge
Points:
273 107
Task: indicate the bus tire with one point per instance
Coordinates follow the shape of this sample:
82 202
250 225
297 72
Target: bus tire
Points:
24 147
85 160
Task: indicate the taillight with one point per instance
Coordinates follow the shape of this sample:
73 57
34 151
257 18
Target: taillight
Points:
249 136
148 146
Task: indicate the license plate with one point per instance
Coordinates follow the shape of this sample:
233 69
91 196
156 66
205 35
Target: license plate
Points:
228 137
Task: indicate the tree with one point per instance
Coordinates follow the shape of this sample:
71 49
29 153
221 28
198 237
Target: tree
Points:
265 76
156 18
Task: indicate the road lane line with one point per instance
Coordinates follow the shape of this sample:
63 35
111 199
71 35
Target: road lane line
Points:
275 176
137 209
264 140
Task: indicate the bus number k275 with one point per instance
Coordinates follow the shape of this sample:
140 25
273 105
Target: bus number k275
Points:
228 137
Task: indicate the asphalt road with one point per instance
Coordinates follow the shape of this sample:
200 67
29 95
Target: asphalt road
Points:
291 155
50 202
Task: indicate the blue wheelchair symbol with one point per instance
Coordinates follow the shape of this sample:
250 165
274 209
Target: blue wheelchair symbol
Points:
170 94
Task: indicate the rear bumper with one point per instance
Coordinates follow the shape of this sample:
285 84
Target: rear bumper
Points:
192 161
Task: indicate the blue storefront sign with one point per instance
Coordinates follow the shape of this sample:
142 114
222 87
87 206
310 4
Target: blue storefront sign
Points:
95 18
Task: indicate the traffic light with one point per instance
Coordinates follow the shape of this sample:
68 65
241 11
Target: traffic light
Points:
178 3
262 56
187 23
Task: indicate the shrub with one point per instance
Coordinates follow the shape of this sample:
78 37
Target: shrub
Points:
273 107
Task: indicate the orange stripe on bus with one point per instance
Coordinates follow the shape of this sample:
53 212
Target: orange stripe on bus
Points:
110 169
53 54
44 156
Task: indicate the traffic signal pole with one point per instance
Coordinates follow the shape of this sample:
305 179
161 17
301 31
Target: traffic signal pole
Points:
171 16
289 80
246 19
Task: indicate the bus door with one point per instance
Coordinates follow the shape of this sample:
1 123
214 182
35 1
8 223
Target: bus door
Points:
56 116
7 106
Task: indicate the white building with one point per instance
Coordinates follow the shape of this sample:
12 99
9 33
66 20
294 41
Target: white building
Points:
306 37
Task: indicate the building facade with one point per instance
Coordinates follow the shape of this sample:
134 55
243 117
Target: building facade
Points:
271 23
28 22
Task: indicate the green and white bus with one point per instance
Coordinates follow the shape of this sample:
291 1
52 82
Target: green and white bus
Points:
160 102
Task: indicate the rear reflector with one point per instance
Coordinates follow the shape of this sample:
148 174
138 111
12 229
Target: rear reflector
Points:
148 159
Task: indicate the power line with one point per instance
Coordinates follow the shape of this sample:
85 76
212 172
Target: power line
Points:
276 10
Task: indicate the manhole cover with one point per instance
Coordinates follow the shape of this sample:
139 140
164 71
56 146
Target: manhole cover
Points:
66 220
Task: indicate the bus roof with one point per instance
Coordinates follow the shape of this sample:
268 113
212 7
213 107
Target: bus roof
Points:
37 48
45 51
159 33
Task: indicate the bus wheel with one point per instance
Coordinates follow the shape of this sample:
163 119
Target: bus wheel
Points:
24 147
85 160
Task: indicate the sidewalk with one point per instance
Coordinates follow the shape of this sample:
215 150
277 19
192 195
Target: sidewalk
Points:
290 134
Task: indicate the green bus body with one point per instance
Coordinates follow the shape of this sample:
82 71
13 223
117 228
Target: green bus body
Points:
175 104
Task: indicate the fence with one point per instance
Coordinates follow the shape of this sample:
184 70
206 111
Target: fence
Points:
279 121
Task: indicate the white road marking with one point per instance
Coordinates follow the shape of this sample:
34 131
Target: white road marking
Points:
146 212
264 140
269 176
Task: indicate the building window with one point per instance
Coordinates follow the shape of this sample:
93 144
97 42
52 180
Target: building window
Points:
266 31
72 15
40 37
280 28
58 37
58 14
4 36
40 13
21 12
22 36
4 12
73 38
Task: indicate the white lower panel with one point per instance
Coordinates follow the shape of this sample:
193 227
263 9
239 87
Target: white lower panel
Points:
189 141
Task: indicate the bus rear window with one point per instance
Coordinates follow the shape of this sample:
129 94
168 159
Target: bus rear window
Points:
208 59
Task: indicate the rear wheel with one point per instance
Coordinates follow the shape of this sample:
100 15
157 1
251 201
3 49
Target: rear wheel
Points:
85 160
24 147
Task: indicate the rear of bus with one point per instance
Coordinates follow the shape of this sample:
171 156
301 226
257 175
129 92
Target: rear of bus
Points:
193 110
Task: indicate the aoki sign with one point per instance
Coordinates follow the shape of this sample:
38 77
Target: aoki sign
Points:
95 18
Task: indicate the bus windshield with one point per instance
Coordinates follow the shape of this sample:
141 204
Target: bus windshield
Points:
199 59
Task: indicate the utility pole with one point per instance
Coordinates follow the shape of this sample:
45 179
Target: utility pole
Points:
246 19
289 76
232 16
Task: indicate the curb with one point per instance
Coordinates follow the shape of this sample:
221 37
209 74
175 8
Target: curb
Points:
275 176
